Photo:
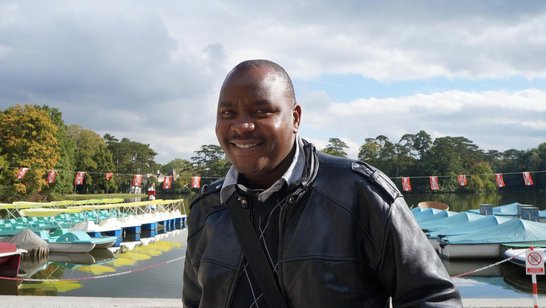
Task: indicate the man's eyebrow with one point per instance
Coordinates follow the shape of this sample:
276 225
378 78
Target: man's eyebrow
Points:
225 103
262 102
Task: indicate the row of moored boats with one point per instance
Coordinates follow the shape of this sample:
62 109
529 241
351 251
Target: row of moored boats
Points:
79 226
488 232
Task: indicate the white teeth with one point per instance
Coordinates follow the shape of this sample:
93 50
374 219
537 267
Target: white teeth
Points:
246 146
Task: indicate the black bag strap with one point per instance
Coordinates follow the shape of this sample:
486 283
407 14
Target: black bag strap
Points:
254 253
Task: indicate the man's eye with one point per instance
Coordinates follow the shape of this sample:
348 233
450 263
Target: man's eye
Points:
227 113
263 112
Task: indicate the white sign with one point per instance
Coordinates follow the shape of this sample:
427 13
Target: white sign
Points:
534 262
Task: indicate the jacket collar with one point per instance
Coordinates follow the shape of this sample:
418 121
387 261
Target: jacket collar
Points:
301 172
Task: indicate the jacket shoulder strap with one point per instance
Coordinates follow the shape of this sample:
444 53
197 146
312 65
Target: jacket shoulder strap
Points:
378 178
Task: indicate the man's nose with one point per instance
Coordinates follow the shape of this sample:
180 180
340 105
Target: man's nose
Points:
243 126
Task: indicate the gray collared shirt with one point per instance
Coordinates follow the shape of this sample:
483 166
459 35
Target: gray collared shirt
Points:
294 172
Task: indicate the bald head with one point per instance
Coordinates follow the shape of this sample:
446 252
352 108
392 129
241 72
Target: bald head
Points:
277 76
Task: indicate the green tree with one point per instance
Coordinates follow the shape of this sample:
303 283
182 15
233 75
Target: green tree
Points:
336 147
422 142
379 152
369 151
210 161
65 166
184 170
451 156
93 157
481 179
130 158
29 139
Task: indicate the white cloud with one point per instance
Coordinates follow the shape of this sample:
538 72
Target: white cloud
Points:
150 71
497 120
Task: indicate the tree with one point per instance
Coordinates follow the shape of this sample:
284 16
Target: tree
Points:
93 157
481 179
184 169
422 142
130 158
451 156
380 153
65 166
29 139
336 147
369 151
210 161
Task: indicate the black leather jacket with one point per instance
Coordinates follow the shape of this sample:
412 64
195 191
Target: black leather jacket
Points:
347 239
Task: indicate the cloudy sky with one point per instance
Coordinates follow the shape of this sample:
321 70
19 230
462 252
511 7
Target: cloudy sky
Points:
150 71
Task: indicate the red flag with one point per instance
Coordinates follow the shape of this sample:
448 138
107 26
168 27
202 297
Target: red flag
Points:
499 179
406 184
21 173
167 182
527 178
108 176
195 181
137 180
461 178
51 176
434 182
78 180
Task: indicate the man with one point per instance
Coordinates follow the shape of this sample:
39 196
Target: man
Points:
335 232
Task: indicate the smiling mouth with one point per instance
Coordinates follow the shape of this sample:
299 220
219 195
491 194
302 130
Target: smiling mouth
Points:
245 146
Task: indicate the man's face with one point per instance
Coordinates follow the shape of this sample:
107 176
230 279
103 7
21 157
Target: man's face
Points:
256 121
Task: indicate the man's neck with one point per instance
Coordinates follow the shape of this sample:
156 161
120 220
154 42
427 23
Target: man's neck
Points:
265 181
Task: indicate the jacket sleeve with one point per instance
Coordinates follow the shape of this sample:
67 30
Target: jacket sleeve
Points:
191 291
409 267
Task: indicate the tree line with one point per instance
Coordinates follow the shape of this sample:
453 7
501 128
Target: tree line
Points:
418 156
37 137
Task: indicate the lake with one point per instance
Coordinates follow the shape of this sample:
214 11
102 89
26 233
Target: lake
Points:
501 281
155 270
152 270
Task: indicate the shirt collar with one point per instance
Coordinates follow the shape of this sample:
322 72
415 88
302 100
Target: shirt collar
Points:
294 172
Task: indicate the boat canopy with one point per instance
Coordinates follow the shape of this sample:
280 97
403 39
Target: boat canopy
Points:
456 220
513 231
439 215
510 209
472 226
48 211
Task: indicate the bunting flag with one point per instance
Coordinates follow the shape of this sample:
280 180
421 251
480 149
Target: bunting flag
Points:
51 176
167 182
461 178
137 180
78 180
406 184
21 173
527 178
434 182
499 179
108 176
195 181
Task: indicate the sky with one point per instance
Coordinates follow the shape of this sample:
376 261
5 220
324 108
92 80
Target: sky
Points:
151 71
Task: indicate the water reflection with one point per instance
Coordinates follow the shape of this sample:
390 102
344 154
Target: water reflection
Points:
503 280
515 276
83 266
466 267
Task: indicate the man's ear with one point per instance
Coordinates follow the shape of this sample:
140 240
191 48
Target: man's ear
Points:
296 117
